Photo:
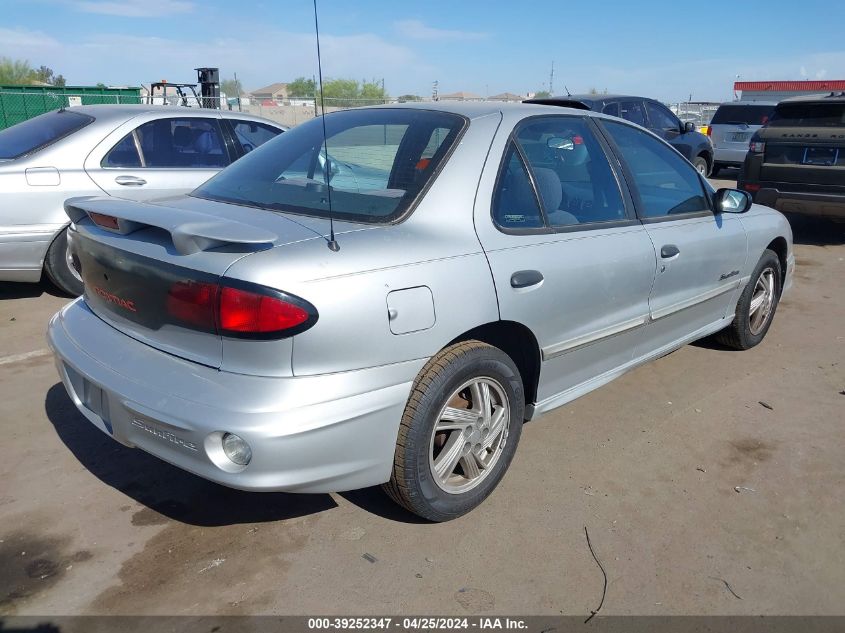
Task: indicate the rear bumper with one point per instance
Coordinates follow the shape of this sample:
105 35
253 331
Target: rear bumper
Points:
733 157
817 204
311 434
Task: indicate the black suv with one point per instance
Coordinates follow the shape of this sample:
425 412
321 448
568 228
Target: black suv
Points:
651 114
796 163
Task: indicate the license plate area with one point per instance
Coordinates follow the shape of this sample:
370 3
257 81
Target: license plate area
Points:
823 156
738 137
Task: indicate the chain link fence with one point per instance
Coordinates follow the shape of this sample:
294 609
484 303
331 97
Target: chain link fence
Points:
699 113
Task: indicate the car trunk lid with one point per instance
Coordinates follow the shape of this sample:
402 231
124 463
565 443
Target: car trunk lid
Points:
145 266
804 156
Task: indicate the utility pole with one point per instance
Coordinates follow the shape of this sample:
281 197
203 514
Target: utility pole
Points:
238 88
552 79
434 90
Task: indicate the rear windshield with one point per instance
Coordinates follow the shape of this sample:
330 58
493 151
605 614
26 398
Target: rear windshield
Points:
809 115
738 114
377 163
31 135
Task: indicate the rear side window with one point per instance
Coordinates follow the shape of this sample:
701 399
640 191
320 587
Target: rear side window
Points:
35 134
515 203
612 109
739 114
667 184
633 111
189 143
251 134
809 115
570 170
376 163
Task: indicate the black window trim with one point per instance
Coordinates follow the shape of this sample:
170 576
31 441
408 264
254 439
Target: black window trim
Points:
627 201
632 185
231 136
221 128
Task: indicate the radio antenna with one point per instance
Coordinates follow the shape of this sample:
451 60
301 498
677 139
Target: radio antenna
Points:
332 244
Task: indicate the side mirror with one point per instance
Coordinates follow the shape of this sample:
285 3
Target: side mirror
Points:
689 126
732 201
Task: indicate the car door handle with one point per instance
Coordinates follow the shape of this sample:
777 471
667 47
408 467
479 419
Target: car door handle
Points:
130 181
526 278
669 251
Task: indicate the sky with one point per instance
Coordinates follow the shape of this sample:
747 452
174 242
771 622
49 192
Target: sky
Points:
662 49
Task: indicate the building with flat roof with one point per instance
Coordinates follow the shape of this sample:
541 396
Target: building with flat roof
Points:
780 90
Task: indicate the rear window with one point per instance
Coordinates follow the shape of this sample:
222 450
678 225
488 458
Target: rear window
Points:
809 115
34 134
377 163
739 114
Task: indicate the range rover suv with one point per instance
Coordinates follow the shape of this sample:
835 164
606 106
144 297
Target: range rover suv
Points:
650 114
796 163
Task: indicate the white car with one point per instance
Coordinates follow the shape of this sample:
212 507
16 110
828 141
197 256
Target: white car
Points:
126 151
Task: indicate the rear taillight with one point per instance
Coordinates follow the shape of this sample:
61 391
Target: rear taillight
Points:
250 312
757 147
194 303
708 130
751 187
234 311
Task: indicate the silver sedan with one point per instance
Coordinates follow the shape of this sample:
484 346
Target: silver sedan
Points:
133 152
388 304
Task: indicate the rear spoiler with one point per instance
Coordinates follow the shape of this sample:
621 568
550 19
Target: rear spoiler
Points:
190 231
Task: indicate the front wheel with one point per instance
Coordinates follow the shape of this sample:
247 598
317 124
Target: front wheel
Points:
59 265
459 431
700 164
756 306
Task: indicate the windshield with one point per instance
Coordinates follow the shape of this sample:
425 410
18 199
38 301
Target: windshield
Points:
809 115
378 161
29 136
739 114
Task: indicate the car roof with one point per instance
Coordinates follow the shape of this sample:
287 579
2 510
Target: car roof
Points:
104 113
477 109
588 100
748 103
827 97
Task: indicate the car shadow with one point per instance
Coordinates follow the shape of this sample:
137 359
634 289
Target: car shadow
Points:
15 290
375 501
170 491
812 231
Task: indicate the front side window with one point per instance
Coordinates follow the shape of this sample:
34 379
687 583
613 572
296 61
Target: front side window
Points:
251 134
374 165
661 118
188 143
666 182
29 136
633 111
570 170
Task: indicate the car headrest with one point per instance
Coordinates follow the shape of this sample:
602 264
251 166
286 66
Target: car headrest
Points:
550 188
182 136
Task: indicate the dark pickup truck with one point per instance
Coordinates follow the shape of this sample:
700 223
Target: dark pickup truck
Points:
796 163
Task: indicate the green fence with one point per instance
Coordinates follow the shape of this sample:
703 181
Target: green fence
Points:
19 103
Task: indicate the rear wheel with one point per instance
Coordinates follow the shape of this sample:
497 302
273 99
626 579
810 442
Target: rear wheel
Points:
59 265
700 164
459 431
756 306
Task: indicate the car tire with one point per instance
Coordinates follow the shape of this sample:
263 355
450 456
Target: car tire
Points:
751 322
439 470
700 164
58 266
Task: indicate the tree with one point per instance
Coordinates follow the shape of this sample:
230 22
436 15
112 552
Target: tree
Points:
302 87
404 98
542 94
15 71
231 87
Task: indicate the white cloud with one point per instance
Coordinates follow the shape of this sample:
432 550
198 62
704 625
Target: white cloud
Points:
135 8
417 30
23 43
